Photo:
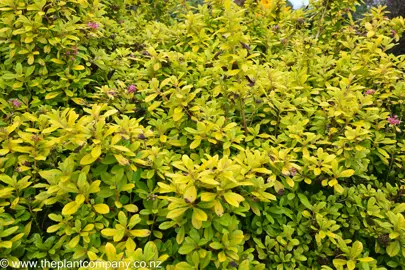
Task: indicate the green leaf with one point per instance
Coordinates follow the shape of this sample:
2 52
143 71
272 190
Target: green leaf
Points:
186 248
8 231
304 200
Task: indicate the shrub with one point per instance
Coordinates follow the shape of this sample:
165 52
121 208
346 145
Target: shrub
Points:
220 137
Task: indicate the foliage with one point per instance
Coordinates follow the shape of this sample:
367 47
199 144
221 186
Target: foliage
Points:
206 137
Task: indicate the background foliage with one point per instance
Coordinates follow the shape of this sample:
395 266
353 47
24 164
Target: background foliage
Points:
206 136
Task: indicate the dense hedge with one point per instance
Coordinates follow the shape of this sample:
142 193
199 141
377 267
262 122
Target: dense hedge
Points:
207 137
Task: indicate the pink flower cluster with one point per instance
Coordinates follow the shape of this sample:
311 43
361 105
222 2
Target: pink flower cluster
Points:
370 92
394 120
16 103
293 172
93 25
73 51
131 89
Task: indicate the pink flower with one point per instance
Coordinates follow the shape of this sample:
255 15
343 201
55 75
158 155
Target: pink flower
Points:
131 89
72 51
93 25
393 32
370 92
121 21
16 103
394 120
293 172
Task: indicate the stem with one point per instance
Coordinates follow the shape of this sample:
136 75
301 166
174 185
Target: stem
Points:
323 15
242 111
151 229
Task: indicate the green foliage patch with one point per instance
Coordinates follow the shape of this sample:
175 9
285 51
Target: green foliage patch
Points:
202 134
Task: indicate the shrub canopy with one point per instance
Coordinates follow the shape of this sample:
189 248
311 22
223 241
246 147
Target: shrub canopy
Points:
202 134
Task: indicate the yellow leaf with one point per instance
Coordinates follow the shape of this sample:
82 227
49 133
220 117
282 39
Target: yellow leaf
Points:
233 72
351 265
290 182
109 232
57 61
346 173
370 34
130 245
221 256
163 138
132 208
52 95
70 208
121 160
75 240
199 214
121 148
176 212
87 159
209 181
338 188
110 251
190 194
140 233
366 259
195 144
101 208
92 256
151 97
96 152
178 114
80 199
219 210
78 67
31 59
233 198
154 106
333 182
207 197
